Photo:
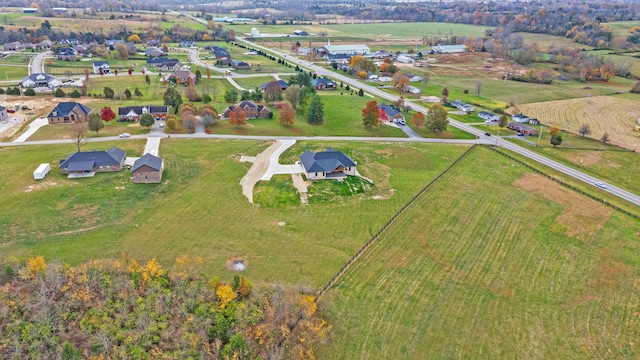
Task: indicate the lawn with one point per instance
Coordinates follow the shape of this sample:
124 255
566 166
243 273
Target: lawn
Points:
199 208
15 72
253 82
112 128
492 262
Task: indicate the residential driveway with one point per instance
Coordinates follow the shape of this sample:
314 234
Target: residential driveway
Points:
33 127
153 146
409 131
275 168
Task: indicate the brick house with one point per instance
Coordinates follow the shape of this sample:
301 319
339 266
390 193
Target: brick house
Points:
68 112
147 169
252 110
133 113
88 163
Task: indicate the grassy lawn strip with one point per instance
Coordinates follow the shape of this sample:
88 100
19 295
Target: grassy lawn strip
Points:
278 192
492 260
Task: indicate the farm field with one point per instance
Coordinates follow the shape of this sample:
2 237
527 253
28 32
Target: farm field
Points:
199 208
492 262
613 115
621 31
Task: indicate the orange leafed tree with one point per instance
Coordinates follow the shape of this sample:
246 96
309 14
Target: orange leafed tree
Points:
370 115
355 59
287 114
418 119
554 130
238 117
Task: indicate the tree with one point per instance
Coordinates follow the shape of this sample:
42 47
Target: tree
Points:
418 119
59 93
556 139
108 92
187 108
28 92
315 111
208 73
238 117
400 81
134 38
147 120
127 93
445 95
584 129
605 138
172 98
122 52
303 79
147 79
75 94
273 91
437 118
198 75
192 94
478 87
94 122
502 121
137 93
107 114
360 92
554 130
371 114
208 114
78 132
231 95
287 114
172 122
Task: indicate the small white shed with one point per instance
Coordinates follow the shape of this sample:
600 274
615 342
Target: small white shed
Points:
41 171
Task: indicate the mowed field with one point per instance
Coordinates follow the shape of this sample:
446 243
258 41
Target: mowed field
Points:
610 114
493 262
199 208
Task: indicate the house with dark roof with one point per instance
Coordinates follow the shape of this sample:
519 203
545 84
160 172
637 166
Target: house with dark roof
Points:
523 119
391 112
187 43
147 169
113 42
283 85
240 65
68 112
67 54
220 53
251 109
88 163
155 52
522 129
3 113
133 113
44 44
169 65
101 67
300 33
184 76
13 46
155 61
329 164
41 80
322 83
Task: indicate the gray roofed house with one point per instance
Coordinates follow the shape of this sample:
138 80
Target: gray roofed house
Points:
322 83
41 80
68 112
282 83
67 54
155 52
488 116
101 67
240 65
328 164
13 46
393 113
87 163
133 113
147 169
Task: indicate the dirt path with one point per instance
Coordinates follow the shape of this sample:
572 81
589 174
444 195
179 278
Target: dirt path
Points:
259 167
302 187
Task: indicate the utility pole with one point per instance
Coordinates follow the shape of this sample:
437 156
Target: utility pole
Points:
587 104
540 135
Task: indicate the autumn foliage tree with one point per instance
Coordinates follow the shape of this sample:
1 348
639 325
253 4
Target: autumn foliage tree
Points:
238 117
287 114
437 118
273 91
370 114
208 114
107 114
418 119
400 81
554 130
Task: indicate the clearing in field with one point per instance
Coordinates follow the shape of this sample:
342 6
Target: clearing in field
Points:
613 115
483 266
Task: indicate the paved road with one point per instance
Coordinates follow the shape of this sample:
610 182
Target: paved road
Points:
623 194
36 65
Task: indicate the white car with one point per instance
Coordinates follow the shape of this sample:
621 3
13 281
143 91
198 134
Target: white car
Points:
601 185
162 124
124 135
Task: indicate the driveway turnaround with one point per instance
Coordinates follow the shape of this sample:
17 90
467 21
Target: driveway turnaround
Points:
275 168
33 127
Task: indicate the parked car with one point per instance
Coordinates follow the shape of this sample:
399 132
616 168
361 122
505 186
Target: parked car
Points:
401 122
11 111
25 107
124 135
520 134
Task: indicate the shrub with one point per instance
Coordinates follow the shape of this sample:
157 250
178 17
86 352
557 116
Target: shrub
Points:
29 92
75 94
59 93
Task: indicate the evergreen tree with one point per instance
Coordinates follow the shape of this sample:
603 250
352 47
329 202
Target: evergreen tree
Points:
315 111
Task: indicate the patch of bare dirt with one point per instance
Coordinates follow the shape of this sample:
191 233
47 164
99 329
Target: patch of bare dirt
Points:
586 158
40 185
610 270
582 217
77 231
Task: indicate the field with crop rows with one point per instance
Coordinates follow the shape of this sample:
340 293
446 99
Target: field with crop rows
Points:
613 115
493 262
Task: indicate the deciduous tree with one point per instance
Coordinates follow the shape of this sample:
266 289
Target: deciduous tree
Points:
189 122
584 129
605 138
554 130
172 98
417 119
147 120
437 118
231 95
78 132
238 117
556 139
272 92
107 114
370 114
134 38
208 114
191 93
445 95
94 122
502 121
122 52
172 122
287 114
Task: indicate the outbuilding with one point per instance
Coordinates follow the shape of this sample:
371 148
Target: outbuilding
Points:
147 169
41 171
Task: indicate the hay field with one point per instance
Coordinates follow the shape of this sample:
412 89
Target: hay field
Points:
614 115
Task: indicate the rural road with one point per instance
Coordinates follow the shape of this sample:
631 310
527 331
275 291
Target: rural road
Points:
623 194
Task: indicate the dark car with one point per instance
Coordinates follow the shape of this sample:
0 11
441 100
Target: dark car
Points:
487 134
25 107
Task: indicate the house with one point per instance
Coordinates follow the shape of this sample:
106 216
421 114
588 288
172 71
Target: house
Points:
29 10
304 51
488 116
462 106
412 78
147 169
13 46
534 121
392 113
282 83
240 65
329 164
338 58
81 49
522 129
155 61
68 112
299 32
154 52
170 65
523 119
385 79
153 42
187 43
133 113
67 54
412 90
255 32
251 109
220 52
88 163
404 59
449 49
323 84
41 80
4 116
184 77
101 67
29 46
44 44
113 42
131 48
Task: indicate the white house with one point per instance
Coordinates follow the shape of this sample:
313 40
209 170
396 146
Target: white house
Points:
413 90
488 116
101 65
352 49
329 164
523 119
404 59
255 32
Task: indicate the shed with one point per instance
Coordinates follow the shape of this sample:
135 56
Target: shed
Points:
147 169
41 171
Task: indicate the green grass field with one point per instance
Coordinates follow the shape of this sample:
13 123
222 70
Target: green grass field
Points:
492 262
199 208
